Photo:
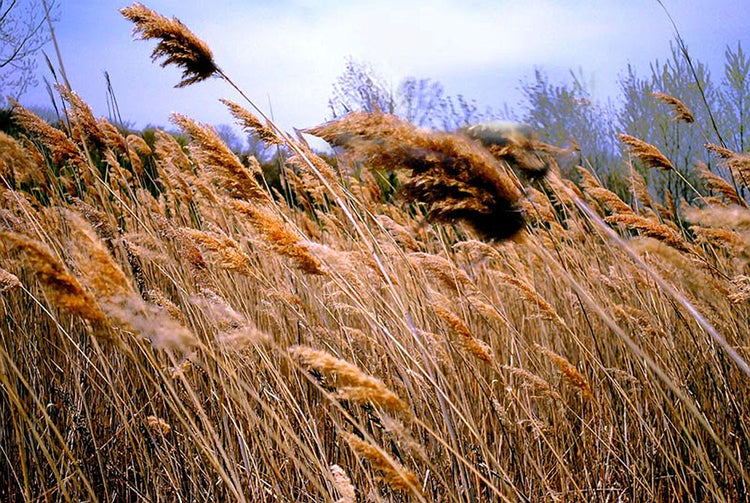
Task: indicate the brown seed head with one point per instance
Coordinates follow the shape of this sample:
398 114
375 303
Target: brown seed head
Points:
475 347
718 184
60 146
82 118
343 485
8 281
177 44
252 124
568 370
679 111
226 169
394 474
17 164
158 425
651 228
646 152
738 163
457 178
279 236
62 288
352 382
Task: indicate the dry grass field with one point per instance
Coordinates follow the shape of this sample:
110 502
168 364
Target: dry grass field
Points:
172 328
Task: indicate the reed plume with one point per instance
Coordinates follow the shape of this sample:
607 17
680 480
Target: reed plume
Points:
227 251
718 184
441 269
157 298
177 44
738 163
651 228
59 145
457 179
475 347
568 370
113 137
343 485
720 238
529 380
530 295
17 164
82 118
96 267
353 383
393 473
733 217
680 112
227 170
403 236
63 289
158 426
740 289
170 153
8 281
252 124
516 144
646 152
277 234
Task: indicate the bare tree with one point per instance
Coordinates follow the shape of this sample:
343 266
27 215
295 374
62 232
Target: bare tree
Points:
359 88
423 102
23 32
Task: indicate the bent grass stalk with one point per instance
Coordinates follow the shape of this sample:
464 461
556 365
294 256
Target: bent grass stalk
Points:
240 417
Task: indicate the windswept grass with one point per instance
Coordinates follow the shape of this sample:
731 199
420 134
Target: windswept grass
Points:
172 329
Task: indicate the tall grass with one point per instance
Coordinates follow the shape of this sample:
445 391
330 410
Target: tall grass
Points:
174 330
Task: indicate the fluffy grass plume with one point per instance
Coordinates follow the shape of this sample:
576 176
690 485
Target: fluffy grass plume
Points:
352 382
392 472
457 179
63 289
646 152
680 112
177 44
308 339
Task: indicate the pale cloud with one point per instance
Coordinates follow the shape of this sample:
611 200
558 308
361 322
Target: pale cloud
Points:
294 54
289 53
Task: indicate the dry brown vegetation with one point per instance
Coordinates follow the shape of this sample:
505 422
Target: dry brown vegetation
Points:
173 330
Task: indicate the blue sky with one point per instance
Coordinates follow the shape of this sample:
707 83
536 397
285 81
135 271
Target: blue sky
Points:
287 54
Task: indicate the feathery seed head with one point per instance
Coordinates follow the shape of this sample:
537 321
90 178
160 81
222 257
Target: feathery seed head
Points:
177 44
8 281
394 474
352 382
646 152
454 176
680 112
62 288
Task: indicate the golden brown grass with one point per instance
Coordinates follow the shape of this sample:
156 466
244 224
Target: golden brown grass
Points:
196 337
680 112
646 152
456 178
177 44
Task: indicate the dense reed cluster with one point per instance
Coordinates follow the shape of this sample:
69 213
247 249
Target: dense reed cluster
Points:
172 327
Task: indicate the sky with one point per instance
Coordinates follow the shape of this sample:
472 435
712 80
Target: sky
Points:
287 54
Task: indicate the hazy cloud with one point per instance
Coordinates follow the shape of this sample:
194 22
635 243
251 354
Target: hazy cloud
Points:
290 52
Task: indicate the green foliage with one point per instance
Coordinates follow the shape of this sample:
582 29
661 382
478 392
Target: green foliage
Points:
567 113
645 117
735 99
